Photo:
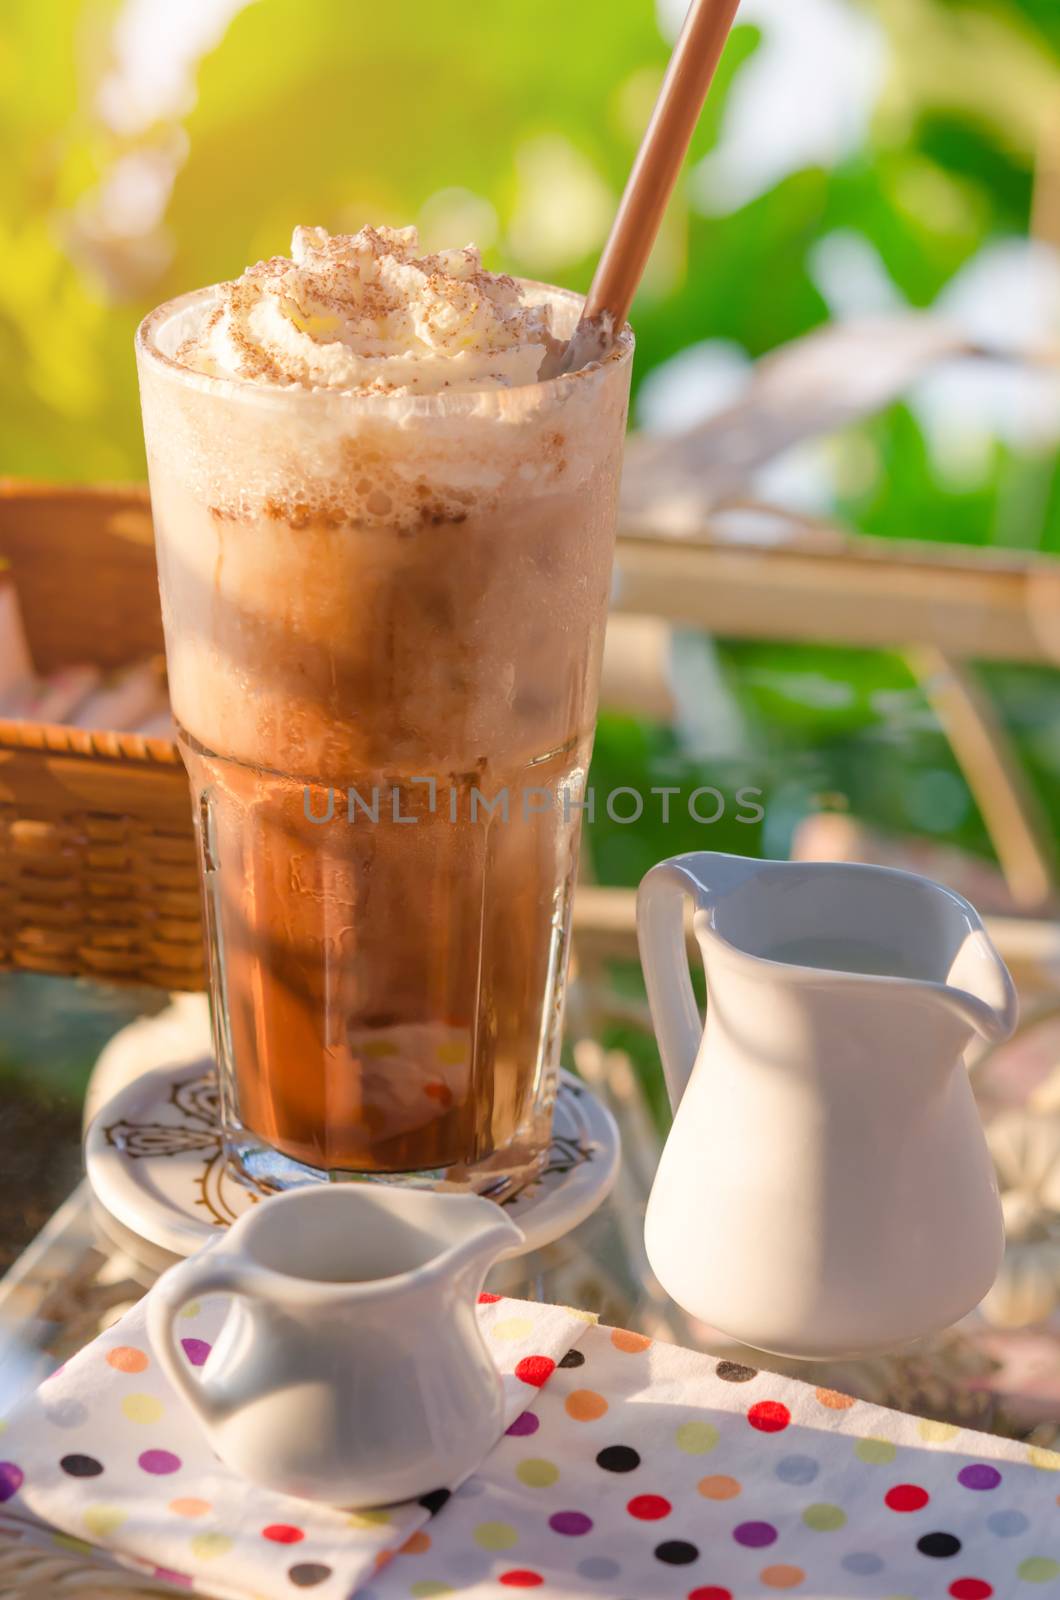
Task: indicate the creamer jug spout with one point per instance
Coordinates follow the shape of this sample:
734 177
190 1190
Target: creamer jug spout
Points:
979 988
472 1238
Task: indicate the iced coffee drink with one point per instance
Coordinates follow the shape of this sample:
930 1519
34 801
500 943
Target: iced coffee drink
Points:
384 551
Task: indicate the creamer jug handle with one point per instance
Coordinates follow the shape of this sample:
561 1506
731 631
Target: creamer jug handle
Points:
705 876
210 1271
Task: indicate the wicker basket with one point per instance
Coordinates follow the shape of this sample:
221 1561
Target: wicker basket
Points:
97 855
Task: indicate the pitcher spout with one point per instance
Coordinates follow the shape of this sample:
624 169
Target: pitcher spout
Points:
472 1232
980 990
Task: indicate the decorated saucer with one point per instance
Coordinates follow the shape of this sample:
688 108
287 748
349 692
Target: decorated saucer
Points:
161 1178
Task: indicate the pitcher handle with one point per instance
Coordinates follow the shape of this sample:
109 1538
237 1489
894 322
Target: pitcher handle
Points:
704 875
207 1272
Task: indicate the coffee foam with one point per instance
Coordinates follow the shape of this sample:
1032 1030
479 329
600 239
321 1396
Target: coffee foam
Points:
402 462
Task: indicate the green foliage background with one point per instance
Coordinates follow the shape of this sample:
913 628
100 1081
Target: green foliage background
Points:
343 111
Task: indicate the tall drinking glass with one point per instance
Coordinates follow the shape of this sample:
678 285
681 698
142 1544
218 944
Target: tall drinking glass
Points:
384 617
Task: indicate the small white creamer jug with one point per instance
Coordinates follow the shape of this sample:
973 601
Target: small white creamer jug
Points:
826 1188
350 1367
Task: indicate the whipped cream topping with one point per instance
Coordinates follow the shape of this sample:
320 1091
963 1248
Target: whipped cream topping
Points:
367 313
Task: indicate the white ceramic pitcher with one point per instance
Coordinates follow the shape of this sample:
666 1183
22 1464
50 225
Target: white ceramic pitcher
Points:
351 1367
826 1188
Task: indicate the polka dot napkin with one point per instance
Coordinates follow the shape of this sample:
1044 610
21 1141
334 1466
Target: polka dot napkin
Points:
645 1472
106 1453
629 1470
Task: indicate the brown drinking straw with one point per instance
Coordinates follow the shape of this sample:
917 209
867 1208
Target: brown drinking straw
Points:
662 150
